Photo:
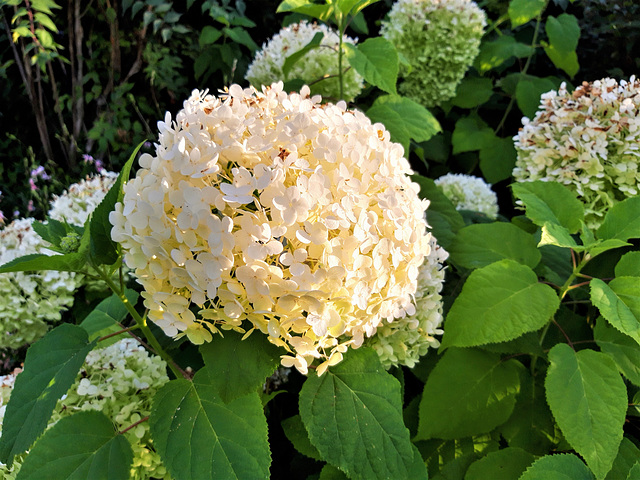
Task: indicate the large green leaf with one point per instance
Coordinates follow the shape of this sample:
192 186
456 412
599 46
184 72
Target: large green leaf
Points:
482 244
470 134
104 251
353 414
629 265
563 33
292 59
297 434
468 392
404 118
624 350
82 446
634 473
619 303
199 436
521 11
528 92
107 315
320 11
628 455
472 91
242 366
557 467
495 52
506 463
376 59
497 159
498 303
622 221
588 399
70 262
50 368
550 202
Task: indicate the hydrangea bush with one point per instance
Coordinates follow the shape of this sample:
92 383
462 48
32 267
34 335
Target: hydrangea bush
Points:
268 64
586 140
440 39
274 209
467 192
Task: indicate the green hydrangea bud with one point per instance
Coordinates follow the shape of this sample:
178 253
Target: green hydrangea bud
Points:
70 243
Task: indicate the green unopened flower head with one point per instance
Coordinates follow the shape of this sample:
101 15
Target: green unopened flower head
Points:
586 140
467 192
440 39
70 243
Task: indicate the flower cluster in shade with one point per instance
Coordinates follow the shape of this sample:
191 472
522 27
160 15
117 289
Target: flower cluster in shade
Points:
119 381
440 39
7 382
294 217
78 202
405 340
467 192
267 66
587 140
29 301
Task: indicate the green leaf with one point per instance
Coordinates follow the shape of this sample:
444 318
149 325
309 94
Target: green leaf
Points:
404 118
619 303
292 59
497 159
297 434
622 221
601 246
376 60
554 234
107 315
588 399
471 133
468 392
473 91
494 53
353 414
320 11
70 262
628 456
629 265
104 251
199 436
528 92
50 368
550 202
563 33
329 472
481 244
624 351
634 473
507 463
241 36
84 445
242 366
558 467
498 303
442 217
209 35
521 11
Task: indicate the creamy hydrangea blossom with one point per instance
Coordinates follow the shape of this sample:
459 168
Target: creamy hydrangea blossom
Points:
467 192
440 39
405 340
297 218
76 204
267 66
7 383
28 300
586 140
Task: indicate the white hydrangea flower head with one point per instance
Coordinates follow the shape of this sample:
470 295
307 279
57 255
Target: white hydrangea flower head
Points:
78 202
7 382
405 340
467 192
297 218
586 140
267 66
29 301
440 39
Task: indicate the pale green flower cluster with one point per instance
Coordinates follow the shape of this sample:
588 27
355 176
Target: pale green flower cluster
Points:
467 192
30 301
267 66
119 381
270 211
440 39
404 341
587 140
78 202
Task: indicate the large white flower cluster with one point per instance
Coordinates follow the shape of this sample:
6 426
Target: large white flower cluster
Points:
267 66
440 39
297 218
28 300
588 141
405 340
467 192
78 202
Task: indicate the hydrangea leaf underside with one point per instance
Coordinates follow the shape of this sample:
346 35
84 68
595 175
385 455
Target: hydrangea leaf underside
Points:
353 414
588 399
199 436
82 446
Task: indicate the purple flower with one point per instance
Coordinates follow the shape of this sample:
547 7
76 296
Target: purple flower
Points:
39 172
87 158
2 218
33 185
16 213
148 145
30 206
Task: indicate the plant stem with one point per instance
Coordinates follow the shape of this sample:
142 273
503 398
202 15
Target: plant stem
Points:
341 31
576 272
